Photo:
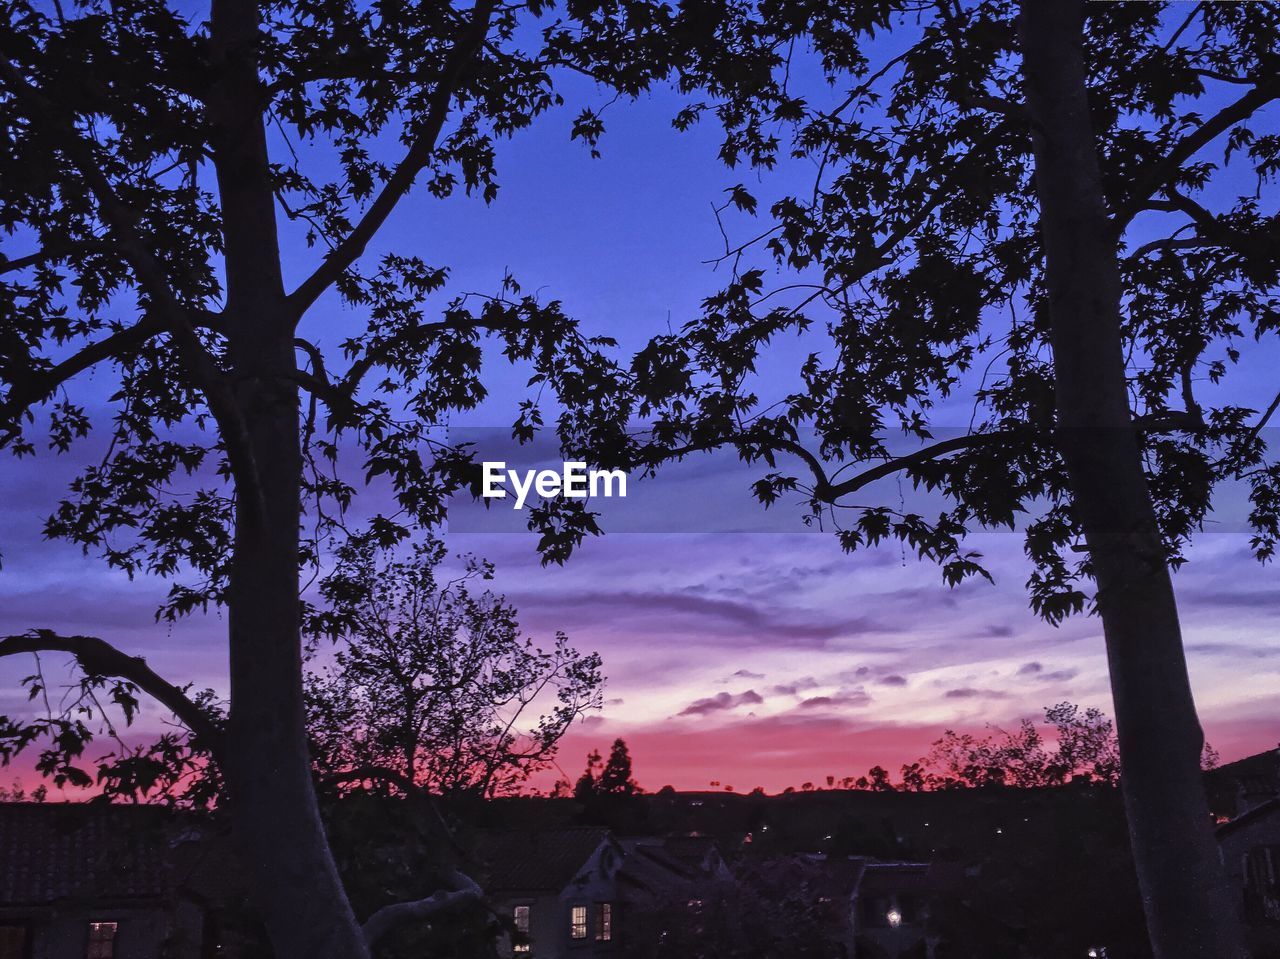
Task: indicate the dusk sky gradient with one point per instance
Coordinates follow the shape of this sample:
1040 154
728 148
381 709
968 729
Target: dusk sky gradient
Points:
740 646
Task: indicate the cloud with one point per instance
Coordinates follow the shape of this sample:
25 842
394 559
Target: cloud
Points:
852 698
722 702
746 674
1201 600
1059 676
1036 671
893 679
716 619
968 692
1234 650
794 688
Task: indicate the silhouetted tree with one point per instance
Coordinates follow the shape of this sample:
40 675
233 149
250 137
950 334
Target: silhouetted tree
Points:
615 778
156 235
1083 749
1016 212
607 778
433 687
588 784
19 793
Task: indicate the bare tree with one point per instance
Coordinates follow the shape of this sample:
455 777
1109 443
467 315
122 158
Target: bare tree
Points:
433 688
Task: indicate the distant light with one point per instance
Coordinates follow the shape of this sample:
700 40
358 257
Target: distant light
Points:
895 918
1093 954
826 837
999 832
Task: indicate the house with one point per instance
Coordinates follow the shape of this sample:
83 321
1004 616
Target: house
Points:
100 881
675 869
893 905
568 891
558 886
868 909
1250 846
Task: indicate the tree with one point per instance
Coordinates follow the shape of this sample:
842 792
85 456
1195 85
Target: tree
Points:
158 163
615 778
1048 163
588 784
19 793
607 778
433 689
1084 750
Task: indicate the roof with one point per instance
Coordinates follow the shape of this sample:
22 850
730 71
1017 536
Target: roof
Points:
1262 811
829 877
56 851
536 860
693 852
918 877
650 866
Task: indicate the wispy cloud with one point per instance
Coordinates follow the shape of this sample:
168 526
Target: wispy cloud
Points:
969 692
722 702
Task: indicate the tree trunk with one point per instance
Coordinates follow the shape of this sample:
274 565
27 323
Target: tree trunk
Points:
1189 910
276 821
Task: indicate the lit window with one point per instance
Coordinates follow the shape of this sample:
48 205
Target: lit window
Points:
13 941
578 922
521 916
604 921
102 940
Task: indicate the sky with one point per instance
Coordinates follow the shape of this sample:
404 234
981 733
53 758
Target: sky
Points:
741 647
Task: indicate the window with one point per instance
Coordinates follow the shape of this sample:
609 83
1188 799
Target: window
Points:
604 921
578 922
102 940
521 916
13 941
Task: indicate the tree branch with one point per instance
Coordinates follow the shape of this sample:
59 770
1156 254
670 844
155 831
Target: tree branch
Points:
1161 172
945 189
1164 421
352 246
361 773
465 890
121 221
350 381
22 396
834 491
406 785
54 252
828 492
99 658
